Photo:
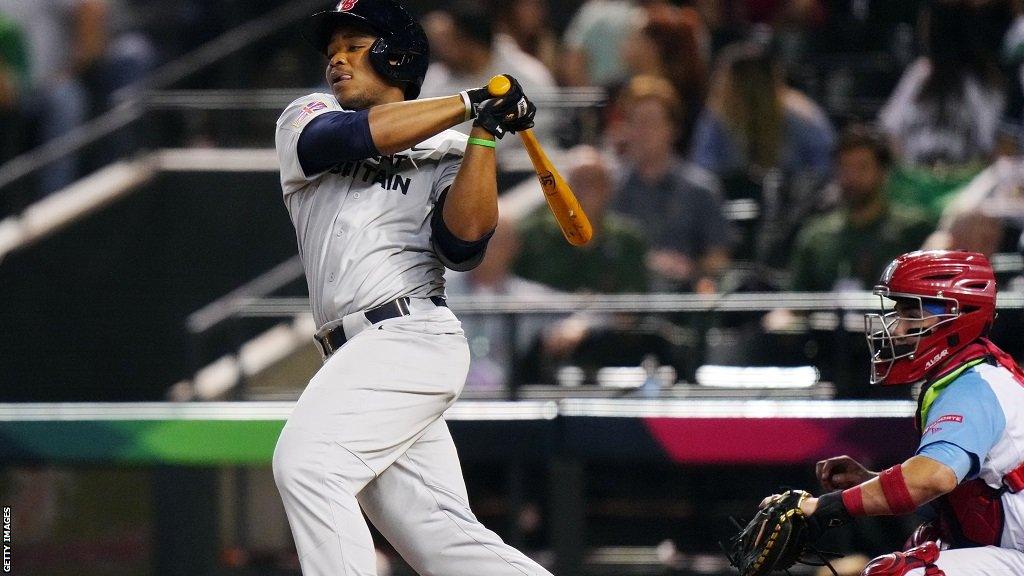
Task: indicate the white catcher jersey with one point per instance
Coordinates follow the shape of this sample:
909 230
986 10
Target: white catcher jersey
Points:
363 227
1008 451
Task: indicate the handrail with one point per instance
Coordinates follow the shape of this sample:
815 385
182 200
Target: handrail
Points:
24 164
224 45
224 307
278 98
84 197
117 180
635 303
133 109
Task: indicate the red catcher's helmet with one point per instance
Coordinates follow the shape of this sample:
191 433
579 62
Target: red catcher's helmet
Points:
956 287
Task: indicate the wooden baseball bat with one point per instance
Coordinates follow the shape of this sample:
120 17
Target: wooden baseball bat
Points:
563 203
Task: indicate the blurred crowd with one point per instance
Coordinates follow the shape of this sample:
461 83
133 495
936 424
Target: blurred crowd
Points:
65 62
746 145
741 145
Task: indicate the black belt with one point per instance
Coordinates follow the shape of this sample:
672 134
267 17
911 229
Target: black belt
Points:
336 338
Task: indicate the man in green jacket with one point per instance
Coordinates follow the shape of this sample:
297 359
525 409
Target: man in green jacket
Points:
848 248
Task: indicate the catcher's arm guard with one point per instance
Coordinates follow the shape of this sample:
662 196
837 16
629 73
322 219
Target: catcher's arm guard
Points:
776 538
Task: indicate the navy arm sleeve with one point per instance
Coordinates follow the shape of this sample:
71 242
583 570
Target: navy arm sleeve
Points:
335 137
455 253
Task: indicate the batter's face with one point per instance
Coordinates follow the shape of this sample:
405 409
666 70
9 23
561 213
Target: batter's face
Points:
352 79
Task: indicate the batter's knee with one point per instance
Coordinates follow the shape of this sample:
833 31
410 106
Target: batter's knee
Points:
901 563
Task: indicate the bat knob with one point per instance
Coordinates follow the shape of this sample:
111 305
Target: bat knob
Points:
499 86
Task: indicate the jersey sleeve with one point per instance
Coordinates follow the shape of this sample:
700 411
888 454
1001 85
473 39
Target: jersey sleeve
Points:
293 120
951 455
967 415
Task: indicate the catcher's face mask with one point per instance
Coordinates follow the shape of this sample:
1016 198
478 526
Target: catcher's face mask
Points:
896 333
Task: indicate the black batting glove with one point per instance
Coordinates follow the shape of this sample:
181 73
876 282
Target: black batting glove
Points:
489 118
509 113
477 96
522 118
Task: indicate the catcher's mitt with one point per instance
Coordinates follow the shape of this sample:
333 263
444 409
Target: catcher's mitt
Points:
776 538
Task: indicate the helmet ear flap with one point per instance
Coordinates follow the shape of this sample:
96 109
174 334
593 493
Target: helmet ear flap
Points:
401 52
398 60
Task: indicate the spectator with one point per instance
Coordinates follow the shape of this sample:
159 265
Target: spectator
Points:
848 248
975 214
944 116
65 38
490 346
672 43
529 24
794 25
678 202
1012 56
971 230
594 42
70 51
129 54
469 53
726 20
753 123
13 83
872 26
612 262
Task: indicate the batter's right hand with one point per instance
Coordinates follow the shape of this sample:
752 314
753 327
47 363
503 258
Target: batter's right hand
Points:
841 472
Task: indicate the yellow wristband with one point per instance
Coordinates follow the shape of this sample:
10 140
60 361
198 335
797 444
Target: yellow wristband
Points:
482 142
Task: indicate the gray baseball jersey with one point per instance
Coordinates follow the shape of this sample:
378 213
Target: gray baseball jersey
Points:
367 434
363 227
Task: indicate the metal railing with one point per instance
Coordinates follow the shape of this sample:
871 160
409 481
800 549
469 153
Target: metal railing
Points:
278 98
624 303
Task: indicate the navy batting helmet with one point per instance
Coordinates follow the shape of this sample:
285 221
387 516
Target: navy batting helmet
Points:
400 52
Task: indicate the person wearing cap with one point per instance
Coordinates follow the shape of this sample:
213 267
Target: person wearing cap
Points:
384 196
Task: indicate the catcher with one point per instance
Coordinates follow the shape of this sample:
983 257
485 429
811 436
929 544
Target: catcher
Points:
969 466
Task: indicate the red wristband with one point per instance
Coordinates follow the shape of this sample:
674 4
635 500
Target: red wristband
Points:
894 487
853 499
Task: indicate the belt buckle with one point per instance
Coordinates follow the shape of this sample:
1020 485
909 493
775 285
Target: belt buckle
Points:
324 346
403 306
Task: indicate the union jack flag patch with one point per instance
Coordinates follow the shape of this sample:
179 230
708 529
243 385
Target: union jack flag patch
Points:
307 111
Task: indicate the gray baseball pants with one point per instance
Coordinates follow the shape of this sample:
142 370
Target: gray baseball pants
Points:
368 433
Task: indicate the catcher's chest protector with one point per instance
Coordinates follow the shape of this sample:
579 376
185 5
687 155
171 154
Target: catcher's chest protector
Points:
972 515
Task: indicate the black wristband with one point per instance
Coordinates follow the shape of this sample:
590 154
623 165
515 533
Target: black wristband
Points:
831 510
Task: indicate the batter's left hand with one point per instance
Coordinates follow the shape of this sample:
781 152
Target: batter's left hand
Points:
509 113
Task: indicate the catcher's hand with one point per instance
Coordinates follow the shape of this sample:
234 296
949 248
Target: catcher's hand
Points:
776 538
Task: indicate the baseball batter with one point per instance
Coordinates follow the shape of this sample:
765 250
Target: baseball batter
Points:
383 196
